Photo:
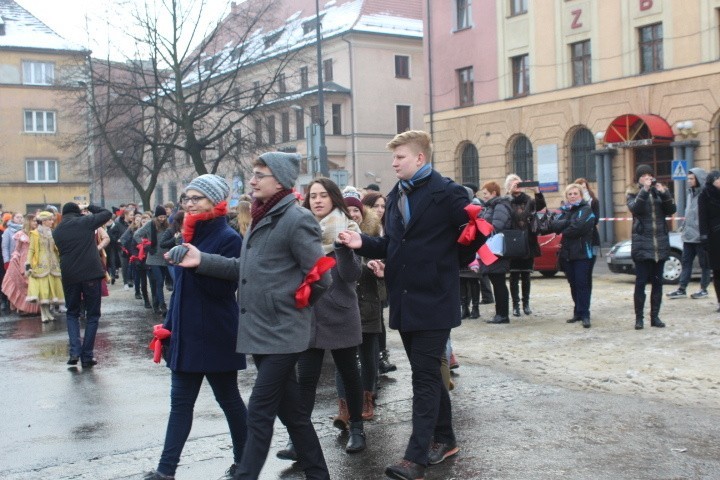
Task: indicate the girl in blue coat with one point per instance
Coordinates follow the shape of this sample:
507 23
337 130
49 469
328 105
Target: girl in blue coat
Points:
203 321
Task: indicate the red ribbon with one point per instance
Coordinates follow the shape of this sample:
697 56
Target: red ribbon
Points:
302 294
474 225
159 334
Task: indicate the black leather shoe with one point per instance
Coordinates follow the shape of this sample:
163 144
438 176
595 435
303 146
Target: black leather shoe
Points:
356 442
288 453
405 470
230 472
155 475
586 322
498 319
89 363
73 360
440 451
138 296
573 320
465 312
516 311
475 313
656 322
526 309
639 324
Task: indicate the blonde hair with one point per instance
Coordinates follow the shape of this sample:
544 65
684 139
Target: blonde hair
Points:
243 217
418 140
571 186
509 180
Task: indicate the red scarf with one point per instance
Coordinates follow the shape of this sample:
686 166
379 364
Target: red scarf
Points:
259 209
190 220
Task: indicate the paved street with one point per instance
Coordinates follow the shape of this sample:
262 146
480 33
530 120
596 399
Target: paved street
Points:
109 422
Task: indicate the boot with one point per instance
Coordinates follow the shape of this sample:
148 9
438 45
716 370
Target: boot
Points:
287 453
586 322
356 442
639 303
475 313
639 323
147 303
655 301
516 309
384 365
465 311
656 322
342 420
368 412
163 309
526 307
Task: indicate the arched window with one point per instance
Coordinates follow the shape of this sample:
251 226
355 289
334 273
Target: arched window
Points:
470 164
522 158
581 157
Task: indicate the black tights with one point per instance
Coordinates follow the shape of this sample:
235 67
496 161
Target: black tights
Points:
716 283
522 278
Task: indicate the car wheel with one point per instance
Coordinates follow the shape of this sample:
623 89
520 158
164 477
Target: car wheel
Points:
673 267
548 273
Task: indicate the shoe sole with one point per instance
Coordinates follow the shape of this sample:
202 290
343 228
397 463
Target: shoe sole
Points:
447 455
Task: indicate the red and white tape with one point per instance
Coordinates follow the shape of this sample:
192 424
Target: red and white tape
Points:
620 219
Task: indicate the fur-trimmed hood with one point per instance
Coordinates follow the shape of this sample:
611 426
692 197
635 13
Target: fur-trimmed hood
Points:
370 224
633 189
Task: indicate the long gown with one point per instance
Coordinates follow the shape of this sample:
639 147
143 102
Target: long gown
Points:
45 285
15 283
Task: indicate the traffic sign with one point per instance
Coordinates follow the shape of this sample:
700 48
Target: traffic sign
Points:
679 169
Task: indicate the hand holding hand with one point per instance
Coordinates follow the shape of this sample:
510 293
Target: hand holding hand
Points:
351 239
377 267
185 255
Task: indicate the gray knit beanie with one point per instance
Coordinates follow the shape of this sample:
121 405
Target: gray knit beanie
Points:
214 187
284 166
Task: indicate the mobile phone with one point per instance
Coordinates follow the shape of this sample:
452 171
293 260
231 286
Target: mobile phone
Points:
528 184
653 182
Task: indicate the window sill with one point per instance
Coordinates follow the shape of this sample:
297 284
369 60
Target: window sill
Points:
458 30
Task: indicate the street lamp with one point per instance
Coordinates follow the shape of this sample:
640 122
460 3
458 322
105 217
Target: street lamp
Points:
321 101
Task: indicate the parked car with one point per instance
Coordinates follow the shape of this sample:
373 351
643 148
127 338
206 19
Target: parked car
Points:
619 260
548 263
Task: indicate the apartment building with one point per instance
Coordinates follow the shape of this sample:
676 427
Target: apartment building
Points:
554 91
41 77
373 87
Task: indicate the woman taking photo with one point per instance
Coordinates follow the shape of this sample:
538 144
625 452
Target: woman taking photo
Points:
498 213
336 314
203 321
576 224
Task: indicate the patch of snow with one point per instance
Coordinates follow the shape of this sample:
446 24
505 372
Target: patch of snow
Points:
23 30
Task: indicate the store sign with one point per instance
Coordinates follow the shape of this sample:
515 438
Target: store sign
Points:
645 142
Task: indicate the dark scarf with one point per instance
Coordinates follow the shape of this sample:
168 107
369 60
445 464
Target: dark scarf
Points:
258 209
406 187
190 220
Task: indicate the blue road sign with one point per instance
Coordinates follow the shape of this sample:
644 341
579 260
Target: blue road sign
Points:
679 169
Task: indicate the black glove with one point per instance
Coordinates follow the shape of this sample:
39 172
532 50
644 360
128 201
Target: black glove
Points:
177 254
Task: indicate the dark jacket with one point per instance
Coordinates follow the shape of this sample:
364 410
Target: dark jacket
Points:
422 270
203 313
576 223
117 229
370 289
75 241
499 214
709 218
650 240
167 239
524 208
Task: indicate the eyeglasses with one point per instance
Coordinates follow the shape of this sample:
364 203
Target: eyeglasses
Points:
260 175
194 200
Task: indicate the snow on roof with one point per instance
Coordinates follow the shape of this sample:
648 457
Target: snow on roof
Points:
299 31
23 30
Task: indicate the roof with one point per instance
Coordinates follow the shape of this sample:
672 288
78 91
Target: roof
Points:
24 31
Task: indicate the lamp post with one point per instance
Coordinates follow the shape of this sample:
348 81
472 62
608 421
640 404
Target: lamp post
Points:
321 100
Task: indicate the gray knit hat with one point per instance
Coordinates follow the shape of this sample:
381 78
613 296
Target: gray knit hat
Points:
214 187
284 166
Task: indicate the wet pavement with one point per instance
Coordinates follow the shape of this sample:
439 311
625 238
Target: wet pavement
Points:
108 422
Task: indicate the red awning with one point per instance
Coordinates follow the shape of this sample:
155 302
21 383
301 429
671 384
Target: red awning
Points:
634 128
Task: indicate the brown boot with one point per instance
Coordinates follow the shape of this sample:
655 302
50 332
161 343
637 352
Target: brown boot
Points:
368 412
342 420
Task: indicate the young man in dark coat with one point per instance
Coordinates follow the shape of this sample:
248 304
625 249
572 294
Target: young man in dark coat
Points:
424 217
82 272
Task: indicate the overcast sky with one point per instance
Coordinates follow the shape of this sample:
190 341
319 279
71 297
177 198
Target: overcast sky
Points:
68 19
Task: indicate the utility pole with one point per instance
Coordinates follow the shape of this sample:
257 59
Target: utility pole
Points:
321 100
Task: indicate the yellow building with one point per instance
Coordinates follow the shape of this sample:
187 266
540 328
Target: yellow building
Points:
41 78
578 88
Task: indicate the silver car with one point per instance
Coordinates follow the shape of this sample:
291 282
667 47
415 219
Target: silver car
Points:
619 260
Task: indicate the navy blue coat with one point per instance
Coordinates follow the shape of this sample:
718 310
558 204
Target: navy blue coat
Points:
421 269
203 313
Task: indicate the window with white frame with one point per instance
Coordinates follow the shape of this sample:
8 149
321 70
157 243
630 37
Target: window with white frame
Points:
462 14
38 73
38 121
41 170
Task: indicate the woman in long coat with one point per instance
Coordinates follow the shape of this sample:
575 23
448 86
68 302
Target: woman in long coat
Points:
709 217
15 283
203 321
43 267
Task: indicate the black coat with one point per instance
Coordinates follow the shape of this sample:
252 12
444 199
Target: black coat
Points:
650 239
524 208
75 241
422 269
709 218
576 224
499 214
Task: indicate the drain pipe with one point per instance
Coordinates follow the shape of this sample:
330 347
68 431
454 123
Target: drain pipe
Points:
430 78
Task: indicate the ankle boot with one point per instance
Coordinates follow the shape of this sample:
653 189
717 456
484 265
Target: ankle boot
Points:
342 420
384 366
465 311
368 412
526 307
287 453
656 322
475 313
639 323
356 442
516 309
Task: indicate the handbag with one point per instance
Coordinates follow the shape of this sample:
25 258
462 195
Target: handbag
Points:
496 244
540 223
516 243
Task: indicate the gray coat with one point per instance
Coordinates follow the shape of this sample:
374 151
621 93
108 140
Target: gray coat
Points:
158 257
336 314
276 255
691 226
